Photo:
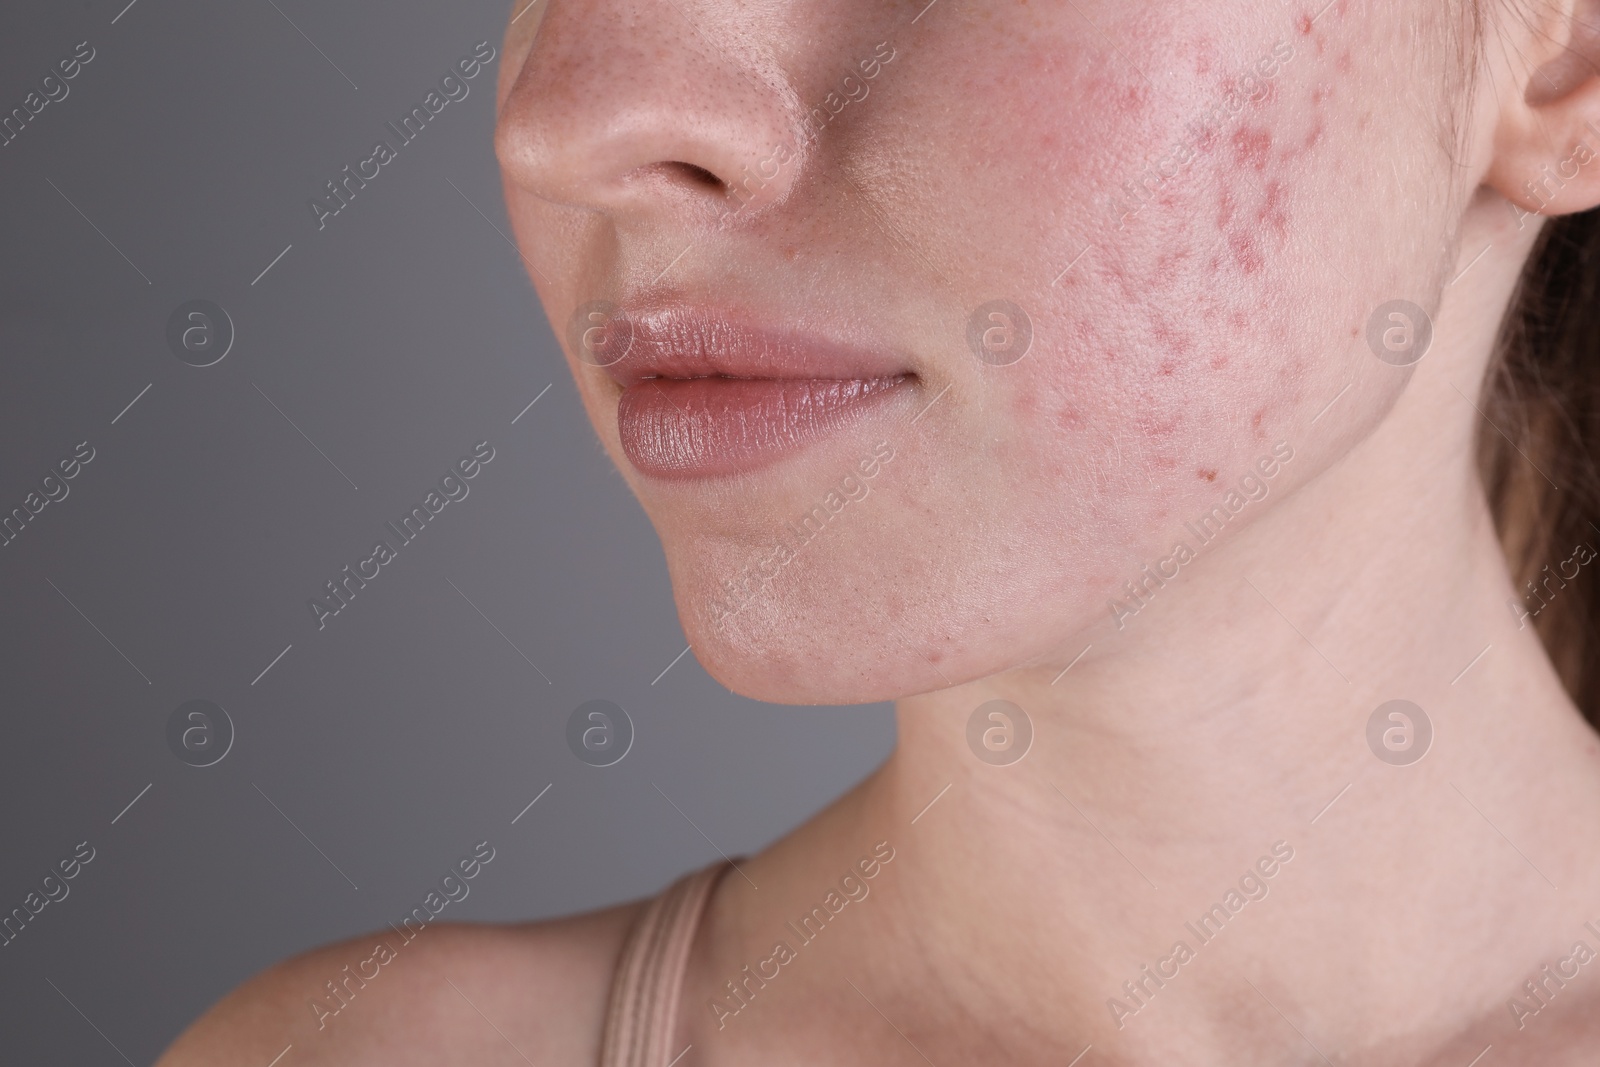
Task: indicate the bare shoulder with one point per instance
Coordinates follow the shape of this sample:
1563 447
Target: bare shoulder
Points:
455 993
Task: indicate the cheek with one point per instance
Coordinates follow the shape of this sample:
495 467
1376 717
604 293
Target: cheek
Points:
1198 260
1186 247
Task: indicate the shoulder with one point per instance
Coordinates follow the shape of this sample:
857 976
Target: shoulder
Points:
456 992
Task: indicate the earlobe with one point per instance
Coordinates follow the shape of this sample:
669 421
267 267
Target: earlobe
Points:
1547 142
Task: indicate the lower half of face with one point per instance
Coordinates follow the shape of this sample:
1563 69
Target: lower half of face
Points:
1104 259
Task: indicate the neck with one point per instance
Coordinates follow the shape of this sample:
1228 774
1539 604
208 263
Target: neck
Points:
1223 733
1201 843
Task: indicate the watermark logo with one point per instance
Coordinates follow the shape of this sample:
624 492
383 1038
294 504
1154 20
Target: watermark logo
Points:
999 333
199 732
599 733
1399 333
999 733
200 333
600 333
1399 733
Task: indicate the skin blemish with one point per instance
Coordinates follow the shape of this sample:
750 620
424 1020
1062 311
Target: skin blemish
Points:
1219 362
1272 213
1246 252
1224 209
1305 25
1173 340
1252 147
1208 475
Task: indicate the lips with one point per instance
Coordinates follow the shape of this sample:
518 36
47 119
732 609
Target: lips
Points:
705 394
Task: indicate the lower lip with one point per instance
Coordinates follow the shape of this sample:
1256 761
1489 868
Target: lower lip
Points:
707 427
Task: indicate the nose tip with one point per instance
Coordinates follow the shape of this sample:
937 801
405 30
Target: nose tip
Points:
629 110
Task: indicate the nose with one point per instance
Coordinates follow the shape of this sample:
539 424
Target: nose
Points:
629 108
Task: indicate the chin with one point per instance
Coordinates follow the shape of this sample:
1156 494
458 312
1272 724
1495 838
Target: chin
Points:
860 624
775 653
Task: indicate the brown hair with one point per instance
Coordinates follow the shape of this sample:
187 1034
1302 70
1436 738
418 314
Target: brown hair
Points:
1538 447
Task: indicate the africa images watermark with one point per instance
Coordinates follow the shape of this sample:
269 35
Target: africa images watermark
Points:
1205 529
452 487
453 87
53 89
1552 180
53 889
853 88
341 991
53 489
1540 594
1547 984
1251 86
1253 885
852 887
753 580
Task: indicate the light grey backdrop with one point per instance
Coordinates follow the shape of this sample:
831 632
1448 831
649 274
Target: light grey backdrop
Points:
369 358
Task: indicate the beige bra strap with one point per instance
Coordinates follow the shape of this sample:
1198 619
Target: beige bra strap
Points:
644 990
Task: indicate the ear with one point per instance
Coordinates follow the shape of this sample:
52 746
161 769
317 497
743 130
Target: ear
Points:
1547 142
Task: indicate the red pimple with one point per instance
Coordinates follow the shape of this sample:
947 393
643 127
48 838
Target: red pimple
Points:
1252 146
1246 252
1305 25
1209 475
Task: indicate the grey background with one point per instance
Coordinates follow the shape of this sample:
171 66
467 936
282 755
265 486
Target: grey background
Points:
395 338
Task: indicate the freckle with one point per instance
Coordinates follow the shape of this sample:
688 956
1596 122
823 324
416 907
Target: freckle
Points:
1209 475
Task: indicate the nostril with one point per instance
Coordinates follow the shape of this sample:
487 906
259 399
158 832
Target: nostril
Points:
698 175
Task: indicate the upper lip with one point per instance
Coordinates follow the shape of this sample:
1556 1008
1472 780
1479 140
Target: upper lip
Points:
686 341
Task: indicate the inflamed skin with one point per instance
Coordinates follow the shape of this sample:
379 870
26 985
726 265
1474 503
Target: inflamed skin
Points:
1170 227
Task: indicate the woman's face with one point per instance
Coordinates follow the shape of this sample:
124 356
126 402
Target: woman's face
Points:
1015 290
